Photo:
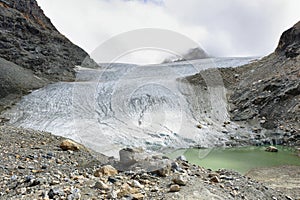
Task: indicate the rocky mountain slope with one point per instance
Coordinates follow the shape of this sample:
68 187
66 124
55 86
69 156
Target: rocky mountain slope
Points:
31 47
269 90
266 93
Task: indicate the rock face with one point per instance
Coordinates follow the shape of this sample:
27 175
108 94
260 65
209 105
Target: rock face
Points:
12 83
192 54
289 43
29 39
40 53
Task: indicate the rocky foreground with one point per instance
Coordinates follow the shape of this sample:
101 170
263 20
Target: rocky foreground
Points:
38 165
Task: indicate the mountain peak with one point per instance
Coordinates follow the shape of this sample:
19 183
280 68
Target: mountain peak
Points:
191 54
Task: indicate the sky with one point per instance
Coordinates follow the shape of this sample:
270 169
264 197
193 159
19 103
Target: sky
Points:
222 28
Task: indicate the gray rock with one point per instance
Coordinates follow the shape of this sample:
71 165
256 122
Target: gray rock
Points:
175 188
112 195
130 156
180 180
75 194
101 185
271 149
136 184
181 158
215 179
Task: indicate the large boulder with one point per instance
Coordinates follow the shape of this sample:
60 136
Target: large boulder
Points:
130 156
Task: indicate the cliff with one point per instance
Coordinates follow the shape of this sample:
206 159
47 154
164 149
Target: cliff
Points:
31 47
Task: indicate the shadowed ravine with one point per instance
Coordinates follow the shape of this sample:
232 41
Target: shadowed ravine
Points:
128 105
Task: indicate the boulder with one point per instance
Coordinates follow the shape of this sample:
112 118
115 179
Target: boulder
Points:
101 185
70 145
271 149
138 196
215 179
106 170
180 180
130 156
163 170
175 188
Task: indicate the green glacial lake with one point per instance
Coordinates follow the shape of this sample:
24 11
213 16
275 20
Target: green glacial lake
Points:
240 159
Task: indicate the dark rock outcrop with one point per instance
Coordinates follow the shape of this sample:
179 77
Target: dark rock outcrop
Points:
289 43
192 54
39 52
29 39
15 81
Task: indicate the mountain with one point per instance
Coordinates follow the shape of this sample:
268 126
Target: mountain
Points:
266 93
191 54
270 88
31 47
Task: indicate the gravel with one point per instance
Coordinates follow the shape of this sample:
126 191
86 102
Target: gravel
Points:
33 166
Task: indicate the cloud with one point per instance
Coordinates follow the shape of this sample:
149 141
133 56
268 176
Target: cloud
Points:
222 28
238 27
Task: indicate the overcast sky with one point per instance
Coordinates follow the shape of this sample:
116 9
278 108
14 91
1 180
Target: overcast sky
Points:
221 27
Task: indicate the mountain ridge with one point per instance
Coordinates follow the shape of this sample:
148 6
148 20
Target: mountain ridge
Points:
30 42
265 94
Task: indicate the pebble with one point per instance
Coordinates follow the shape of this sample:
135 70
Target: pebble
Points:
136 184
23 190
288 198
75 195
138 196
180 180
34 182
271 149
101 185
215 179
112 179
13 177
213 174
155 189
181 158
226 177
54 182
44 167
174 188
113 194
21 167
163 172
106 170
